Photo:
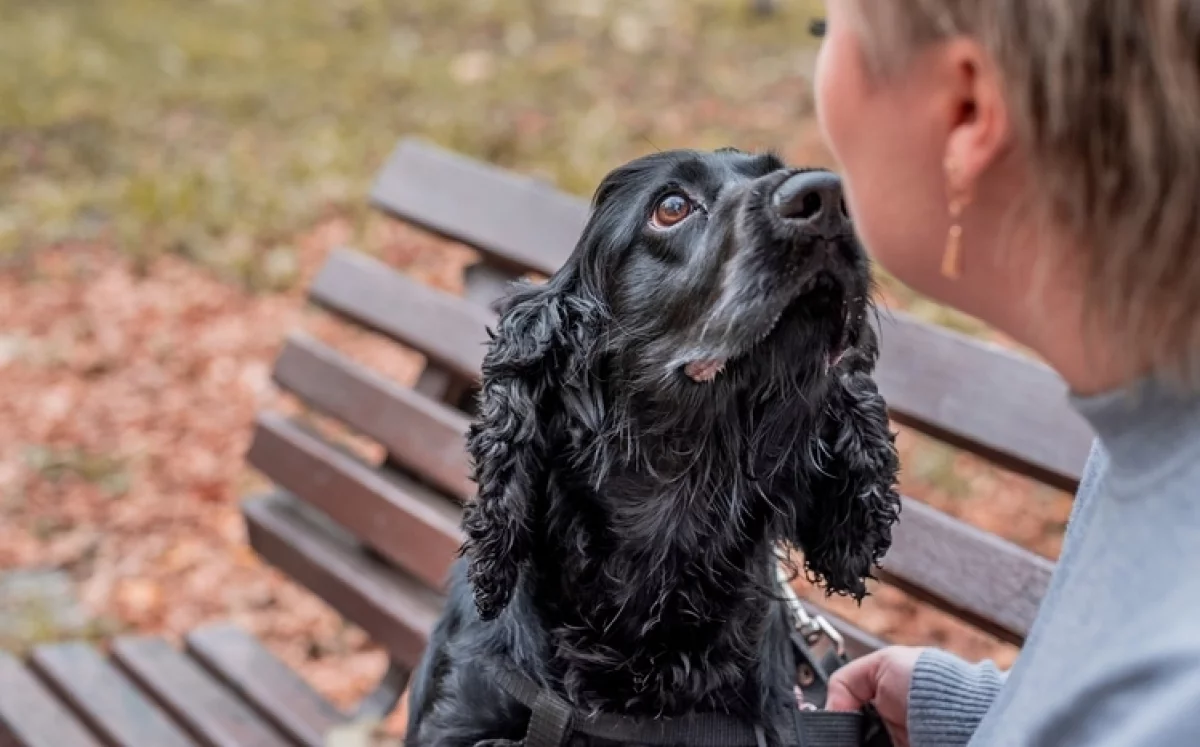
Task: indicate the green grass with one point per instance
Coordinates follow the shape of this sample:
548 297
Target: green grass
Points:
217 129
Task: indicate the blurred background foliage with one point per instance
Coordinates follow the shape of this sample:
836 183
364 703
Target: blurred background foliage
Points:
217 129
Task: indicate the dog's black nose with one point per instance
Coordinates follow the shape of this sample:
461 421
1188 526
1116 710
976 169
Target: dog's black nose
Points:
811 197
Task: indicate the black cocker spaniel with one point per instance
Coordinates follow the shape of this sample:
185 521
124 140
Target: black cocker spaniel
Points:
691 389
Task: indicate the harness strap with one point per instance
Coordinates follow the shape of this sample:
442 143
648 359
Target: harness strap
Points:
550 722
554 720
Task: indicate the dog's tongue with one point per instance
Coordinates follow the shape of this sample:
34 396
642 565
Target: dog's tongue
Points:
704 371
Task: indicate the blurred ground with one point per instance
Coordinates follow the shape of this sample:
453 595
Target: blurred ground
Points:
172 173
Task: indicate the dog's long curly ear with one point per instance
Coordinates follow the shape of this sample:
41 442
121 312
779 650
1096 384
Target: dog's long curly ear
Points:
542 335
855 501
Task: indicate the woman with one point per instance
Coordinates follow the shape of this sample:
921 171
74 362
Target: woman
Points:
1037 164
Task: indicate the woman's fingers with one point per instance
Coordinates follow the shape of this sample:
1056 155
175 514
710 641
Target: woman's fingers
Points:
856 683
882 679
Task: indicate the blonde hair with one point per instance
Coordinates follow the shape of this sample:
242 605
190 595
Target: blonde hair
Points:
1105 98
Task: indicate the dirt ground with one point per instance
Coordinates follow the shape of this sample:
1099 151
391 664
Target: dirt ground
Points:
158 226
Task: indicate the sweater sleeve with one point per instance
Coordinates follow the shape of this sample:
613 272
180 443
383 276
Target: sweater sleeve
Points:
948 698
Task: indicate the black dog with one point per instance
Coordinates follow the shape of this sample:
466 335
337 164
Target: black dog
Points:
690 389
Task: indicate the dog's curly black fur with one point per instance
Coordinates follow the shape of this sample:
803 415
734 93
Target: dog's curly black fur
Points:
621 547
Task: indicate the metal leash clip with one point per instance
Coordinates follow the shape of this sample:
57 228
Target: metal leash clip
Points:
811 627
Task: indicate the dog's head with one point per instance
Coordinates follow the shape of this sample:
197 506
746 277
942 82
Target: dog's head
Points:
702 282
726 271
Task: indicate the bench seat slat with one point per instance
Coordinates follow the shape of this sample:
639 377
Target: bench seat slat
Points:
974 395
425 436
104 699
398 612
31 716
439 325
258 677
404 521
210 712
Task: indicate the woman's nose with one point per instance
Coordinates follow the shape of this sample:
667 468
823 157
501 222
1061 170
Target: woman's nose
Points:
812 198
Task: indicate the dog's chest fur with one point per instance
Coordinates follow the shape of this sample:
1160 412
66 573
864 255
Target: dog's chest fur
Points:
638 619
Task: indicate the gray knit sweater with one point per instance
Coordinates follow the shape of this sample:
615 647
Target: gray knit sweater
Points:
1114 655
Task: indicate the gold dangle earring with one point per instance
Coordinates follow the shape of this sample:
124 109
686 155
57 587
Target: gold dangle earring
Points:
952 256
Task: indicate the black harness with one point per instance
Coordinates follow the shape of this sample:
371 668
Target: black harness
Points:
556 723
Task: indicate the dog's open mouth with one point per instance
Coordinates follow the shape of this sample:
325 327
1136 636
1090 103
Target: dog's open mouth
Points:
822 290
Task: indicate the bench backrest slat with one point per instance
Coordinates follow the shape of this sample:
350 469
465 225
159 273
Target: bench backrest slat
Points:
978 577
993 402
396 611
401 519
522 222
363 290
423 435
522 225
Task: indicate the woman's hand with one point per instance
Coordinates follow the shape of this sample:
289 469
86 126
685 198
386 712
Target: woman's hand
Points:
882 679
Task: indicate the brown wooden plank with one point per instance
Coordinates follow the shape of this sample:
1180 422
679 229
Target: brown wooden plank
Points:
450 331
981 397
420 434
104 699
975 396
407 523
523 222
397 611
979 577
239 661
212 714
31 716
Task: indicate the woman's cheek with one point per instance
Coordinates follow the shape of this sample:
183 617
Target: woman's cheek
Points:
840 104
829 103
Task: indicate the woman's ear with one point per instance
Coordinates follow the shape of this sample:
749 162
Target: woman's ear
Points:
980 128
533 355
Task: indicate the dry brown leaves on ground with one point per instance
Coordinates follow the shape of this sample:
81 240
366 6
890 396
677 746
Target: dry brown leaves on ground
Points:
126 410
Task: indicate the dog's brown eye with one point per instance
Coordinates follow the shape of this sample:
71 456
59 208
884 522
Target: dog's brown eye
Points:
670 210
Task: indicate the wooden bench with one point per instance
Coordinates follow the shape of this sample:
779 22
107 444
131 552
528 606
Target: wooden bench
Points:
374 538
